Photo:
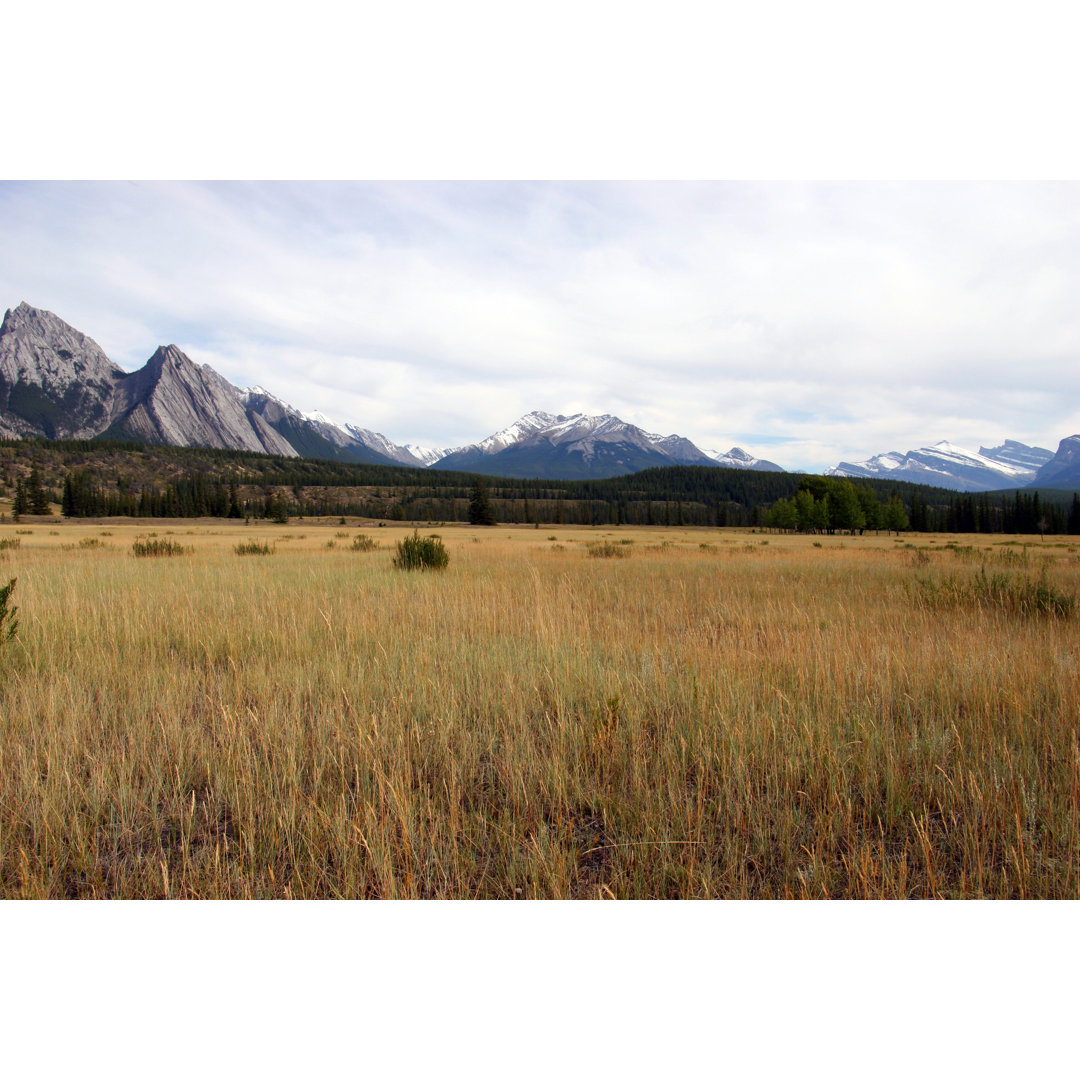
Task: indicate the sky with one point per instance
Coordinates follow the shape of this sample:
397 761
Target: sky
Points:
807 322
847 232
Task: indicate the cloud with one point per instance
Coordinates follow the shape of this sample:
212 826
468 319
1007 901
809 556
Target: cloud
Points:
808 322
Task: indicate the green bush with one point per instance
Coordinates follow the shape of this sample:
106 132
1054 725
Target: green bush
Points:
9 622
146 548
364 543
10 542
418 552
253 547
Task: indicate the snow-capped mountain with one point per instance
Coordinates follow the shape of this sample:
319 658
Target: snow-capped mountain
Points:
426 455
1012 464
413 456
735 458
549 446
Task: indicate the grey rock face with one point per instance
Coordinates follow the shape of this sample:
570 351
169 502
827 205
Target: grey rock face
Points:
1063 470
57 383
175 401
54 381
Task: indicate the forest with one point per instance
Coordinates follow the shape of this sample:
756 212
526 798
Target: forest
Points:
99 478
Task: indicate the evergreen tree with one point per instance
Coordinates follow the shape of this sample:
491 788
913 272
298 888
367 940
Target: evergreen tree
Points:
480 511
21 504
1074 516
39 501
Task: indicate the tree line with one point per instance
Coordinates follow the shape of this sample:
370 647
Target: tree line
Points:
92 478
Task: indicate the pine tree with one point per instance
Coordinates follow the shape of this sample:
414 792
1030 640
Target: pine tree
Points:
480 511
39 500
21 503
1074 515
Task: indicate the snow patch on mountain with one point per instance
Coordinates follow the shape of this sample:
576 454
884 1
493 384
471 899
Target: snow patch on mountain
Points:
947 465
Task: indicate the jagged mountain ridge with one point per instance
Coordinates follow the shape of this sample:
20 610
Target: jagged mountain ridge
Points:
549 446
56 382
173 400
1012 464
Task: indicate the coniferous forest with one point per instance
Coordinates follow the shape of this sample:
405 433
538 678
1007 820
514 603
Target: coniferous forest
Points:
99 478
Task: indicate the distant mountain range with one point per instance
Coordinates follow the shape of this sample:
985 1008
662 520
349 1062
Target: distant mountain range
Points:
1010 465
57 383
944 465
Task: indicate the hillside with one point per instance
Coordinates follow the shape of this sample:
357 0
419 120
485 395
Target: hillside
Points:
99 478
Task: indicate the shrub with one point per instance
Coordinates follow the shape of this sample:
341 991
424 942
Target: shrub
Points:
253 547
364 543
604 549
145 548
418 552
9 622
91 542
10 542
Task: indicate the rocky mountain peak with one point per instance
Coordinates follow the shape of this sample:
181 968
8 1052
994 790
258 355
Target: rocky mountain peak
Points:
54 380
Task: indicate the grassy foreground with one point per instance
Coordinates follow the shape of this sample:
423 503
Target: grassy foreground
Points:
719 714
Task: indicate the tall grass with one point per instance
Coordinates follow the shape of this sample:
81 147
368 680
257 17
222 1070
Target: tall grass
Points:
786 722
156 548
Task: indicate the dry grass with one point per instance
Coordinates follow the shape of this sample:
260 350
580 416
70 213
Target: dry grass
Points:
736 720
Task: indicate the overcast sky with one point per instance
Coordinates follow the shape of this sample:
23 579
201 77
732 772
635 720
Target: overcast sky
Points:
808 323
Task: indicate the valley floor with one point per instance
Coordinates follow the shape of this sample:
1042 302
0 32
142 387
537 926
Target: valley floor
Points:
562 712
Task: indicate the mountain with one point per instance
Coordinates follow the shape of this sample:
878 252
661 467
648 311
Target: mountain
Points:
740 459
413 456
311 435
1063 469
573 447
1017 455
173 400
944 465
54 381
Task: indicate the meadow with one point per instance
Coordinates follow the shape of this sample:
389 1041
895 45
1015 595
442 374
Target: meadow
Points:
276 711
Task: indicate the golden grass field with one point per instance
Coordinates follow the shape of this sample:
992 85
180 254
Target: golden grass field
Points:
720 715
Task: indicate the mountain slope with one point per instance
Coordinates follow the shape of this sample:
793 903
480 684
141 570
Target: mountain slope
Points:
558 447
54 381
311 435
949 466
1063 469
735 458
174 401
